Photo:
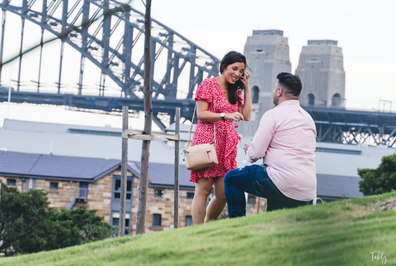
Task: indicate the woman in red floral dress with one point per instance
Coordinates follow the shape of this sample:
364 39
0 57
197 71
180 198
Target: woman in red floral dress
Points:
228 107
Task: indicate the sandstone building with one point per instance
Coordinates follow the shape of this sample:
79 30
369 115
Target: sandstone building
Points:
91 183
321 69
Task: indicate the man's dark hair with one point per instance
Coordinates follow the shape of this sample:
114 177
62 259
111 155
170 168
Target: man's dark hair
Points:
290 82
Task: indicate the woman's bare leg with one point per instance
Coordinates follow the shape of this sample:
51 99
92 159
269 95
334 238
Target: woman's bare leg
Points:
202 191
218 202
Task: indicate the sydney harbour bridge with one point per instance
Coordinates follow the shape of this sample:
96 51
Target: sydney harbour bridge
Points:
88 55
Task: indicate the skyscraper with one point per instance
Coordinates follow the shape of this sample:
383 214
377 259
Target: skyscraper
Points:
267 54
321 70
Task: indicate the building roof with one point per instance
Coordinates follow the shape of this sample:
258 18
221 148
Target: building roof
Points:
160 175
58 167
333 186
84 169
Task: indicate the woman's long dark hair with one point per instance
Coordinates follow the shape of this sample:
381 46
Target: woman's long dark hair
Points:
231 58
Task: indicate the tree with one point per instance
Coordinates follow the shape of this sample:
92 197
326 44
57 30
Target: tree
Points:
23 223
380 180
148 110
26 226
78 226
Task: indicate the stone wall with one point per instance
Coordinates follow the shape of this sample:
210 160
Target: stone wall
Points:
165 207
135 197
18 181
251 207
58 197
99 196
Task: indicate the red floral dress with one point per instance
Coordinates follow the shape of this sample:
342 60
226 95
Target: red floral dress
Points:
226 136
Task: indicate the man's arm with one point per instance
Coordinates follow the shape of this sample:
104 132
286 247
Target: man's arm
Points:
262 138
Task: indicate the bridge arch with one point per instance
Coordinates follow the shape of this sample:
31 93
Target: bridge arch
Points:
107 33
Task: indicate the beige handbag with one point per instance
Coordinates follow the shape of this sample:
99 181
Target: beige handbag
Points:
202 155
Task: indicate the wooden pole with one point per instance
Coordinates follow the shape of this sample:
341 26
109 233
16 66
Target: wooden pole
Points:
258 205
176 183
124 173
148 110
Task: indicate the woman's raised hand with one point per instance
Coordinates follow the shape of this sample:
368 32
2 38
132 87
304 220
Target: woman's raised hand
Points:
245 80
237 116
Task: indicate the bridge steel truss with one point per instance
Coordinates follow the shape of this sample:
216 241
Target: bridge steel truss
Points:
89 27
354 127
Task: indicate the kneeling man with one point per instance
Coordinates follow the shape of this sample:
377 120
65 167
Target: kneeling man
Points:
286 141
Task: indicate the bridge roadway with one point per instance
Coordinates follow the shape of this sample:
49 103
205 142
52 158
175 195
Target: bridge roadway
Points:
338 125
335 125
107 104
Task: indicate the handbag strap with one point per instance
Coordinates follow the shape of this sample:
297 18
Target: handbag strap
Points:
192 121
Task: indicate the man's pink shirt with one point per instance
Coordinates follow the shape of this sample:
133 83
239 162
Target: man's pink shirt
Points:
286 140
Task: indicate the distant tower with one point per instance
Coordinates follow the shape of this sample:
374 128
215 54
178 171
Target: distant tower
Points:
267 54
321 69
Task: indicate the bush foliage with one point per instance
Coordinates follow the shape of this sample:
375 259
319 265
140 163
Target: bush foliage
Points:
26 225
380 180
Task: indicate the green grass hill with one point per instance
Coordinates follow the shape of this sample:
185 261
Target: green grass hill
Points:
348 232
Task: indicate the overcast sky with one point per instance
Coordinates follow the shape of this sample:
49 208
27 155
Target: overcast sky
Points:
364 30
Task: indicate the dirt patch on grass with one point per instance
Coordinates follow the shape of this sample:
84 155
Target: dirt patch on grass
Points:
347 212
387 205
271 226
356 210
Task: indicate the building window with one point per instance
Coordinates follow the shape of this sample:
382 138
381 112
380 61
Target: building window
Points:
157 220
84 190
189 220
95 132
117 189
159 193
116 221
256 92
190 195
311 99
11 182
251 199
54 186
